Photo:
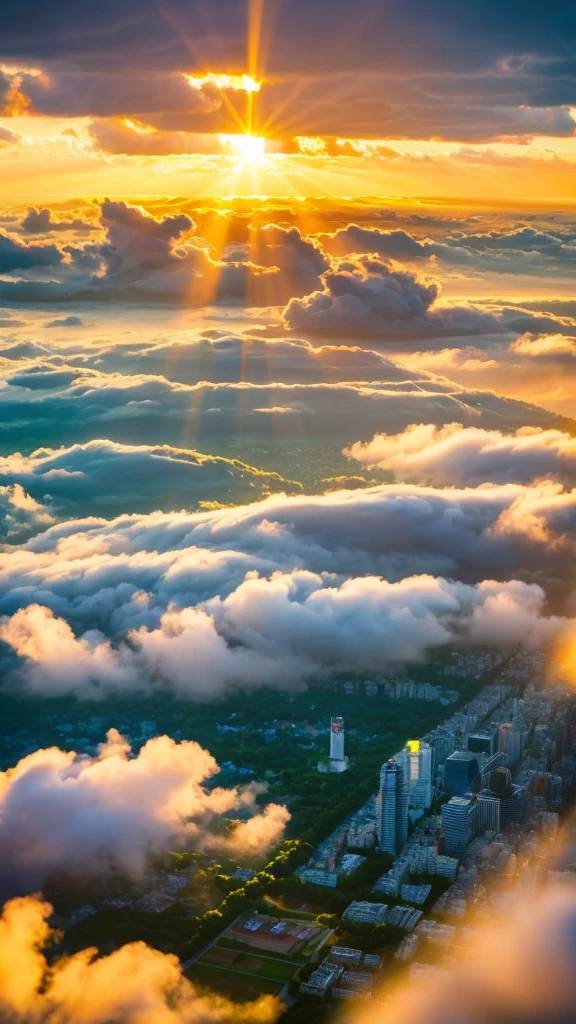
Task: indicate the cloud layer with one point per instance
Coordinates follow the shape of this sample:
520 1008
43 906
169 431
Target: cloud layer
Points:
213 603
107 478
85 817
468 456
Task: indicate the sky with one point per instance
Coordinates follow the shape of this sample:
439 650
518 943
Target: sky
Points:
247 97
287 388
270 273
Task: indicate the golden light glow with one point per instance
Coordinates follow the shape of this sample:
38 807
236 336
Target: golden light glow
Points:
311 145
239 83
138 126
22 69
564 658
249 149
413 746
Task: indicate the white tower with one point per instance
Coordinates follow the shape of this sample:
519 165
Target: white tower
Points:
338 762
336 739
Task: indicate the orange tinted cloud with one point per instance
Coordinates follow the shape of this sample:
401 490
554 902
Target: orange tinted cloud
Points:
133 985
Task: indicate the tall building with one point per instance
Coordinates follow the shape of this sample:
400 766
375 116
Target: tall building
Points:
458 824
337 739
392 804
510 742
496 761
460 770
419 756
501 803
481 743
500 781
443 744
338 762
487 812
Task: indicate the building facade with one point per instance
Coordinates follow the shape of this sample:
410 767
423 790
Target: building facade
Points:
392 804
458 824
460 770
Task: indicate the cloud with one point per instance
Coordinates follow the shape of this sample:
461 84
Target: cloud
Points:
81 817
283 590
124 136
110 478
20 514
454 455
412 75
396 244
67 321
133 984
14 255
40 222
8 138
52 399
23 350
221 357
139 241
149 258
140 257
533 365
517 970
547 349
524 250
278 631
118 575
158 260
364 297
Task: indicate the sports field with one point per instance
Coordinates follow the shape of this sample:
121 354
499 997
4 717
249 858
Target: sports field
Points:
257 954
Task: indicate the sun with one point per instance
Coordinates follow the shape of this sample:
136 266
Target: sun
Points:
250 150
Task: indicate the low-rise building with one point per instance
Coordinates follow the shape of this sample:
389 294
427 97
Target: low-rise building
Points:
364 912
321 980
344 955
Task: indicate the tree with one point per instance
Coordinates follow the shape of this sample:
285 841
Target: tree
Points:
326 920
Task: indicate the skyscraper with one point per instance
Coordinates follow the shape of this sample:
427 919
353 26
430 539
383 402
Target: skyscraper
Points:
419 757
510 742
460 770
481 743
458 824
392 804
500 802
443 742
488 812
